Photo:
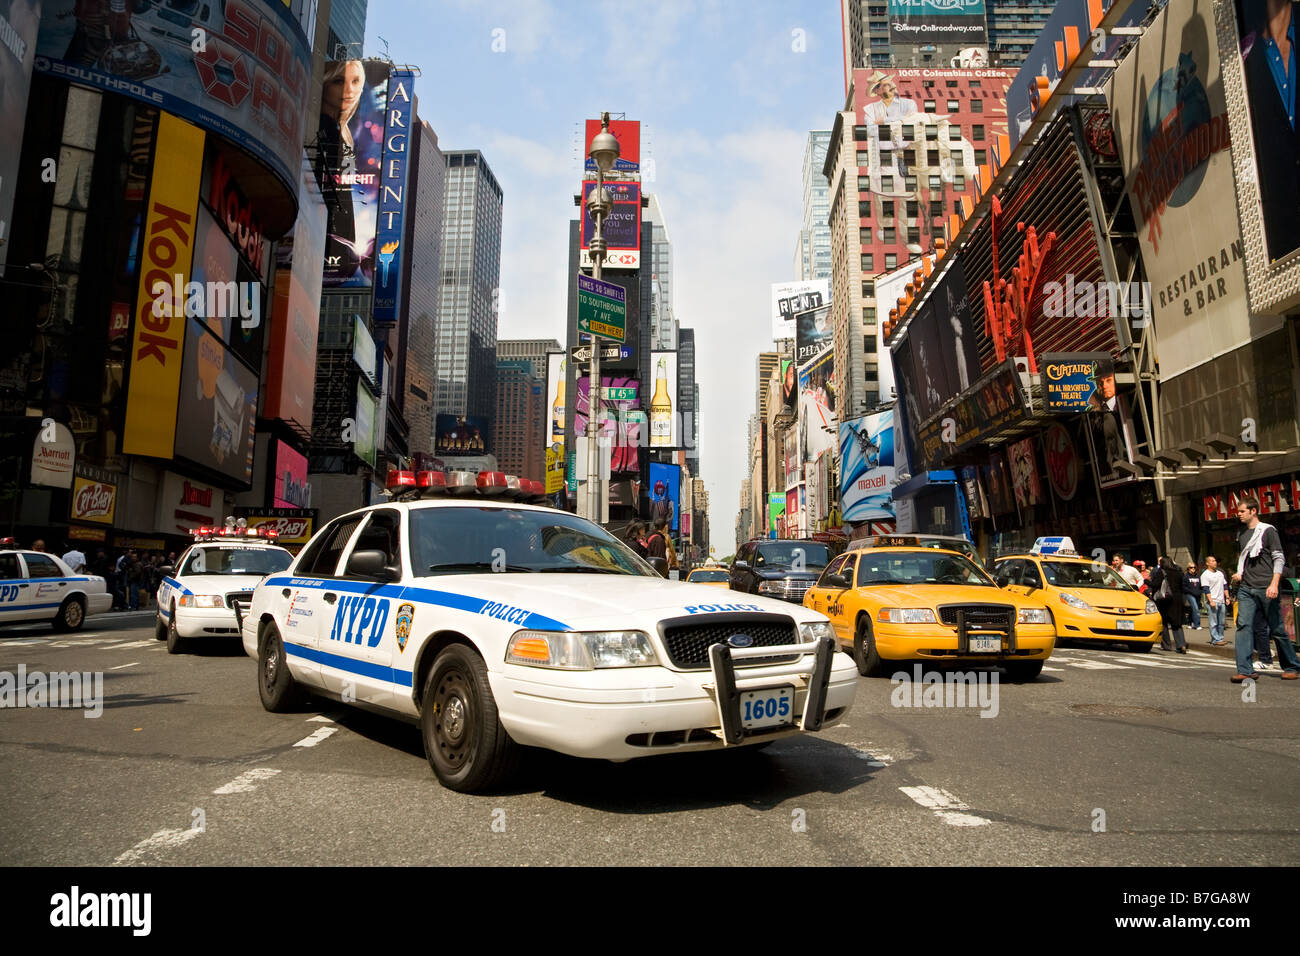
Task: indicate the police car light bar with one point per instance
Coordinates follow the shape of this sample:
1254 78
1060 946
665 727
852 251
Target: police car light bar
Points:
462 482
431 481
492 482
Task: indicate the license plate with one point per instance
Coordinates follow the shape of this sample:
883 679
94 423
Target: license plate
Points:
985 645
1124 625
770 707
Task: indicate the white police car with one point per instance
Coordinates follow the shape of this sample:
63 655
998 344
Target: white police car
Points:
35 586
213 582
496 623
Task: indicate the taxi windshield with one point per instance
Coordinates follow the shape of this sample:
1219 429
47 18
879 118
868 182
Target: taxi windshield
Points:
484 540
919 567
709 576
1076 574
229 560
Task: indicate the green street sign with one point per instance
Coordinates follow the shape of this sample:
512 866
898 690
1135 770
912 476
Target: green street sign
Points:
619 393
602 308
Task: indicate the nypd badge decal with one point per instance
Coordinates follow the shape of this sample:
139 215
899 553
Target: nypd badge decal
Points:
405 618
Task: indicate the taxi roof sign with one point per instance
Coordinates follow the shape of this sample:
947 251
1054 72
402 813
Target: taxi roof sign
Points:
1058 545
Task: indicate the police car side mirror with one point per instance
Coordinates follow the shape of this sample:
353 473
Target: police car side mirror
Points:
660 565
370 564
166 569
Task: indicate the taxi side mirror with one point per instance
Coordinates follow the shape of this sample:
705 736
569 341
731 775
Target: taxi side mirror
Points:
838 580
1002 580
370 564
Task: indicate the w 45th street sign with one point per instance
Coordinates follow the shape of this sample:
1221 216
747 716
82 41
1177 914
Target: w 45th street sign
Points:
602 308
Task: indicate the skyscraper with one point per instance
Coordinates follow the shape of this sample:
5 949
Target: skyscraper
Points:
533 351
813 260
663 328
347 29
465 359
1014 26
520 418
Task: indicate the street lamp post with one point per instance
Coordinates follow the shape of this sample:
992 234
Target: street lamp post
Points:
604 151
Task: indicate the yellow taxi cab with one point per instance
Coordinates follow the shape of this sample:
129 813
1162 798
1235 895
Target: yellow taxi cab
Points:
716 577
911 602
1088 600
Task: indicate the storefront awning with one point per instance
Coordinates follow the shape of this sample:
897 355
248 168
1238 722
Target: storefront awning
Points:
919 483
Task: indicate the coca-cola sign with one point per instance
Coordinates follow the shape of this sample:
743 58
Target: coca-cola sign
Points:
93 500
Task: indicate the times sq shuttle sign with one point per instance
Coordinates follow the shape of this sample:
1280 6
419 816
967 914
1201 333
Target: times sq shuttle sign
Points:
392 193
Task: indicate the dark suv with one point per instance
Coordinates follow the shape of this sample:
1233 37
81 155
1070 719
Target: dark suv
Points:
782 568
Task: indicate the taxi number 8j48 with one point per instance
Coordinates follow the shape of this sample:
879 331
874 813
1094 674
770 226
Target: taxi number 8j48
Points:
766 708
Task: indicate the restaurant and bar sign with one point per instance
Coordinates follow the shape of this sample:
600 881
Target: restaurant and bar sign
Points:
992 404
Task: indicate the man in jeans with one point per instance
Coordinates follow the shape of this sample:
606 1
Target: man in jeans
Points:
1215 586
1259 569
1192 595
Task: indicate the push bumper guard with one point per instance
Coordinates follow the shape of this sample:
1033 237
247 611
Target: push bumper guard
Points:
727 688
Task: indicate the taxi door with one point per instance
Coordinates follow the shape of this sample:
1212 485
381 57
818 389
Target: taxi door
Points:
1013 569
818 595
358 633
827 598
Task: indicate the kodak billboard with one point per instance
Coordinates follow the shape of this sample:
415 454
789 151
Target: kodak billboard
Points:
166 251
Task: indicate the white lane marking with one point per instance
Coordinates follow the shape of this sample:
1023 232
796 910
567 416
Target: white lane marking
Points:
1058 669
162 840
316 737
120 666
945 806
121 647
1147 662
1097 665
20 641
246 781
320 719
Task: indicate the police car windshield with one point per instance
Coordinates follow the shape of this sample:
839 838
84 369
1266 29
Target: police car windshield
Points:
236 561
919 567
1074 574
508 540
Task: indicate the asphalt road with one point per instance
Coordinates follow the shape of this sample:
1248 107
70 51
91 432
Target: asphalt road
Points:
1108 758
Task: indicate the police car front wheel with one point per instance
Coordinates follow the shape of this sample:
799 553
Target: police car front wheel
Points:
175 643
72 614
464 741
275 685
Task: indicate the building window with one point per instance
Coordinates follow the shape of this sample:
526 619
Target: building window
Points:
954 133
887 184
911 209
936 208
864 235
973 84
860 134
931 107
956 207
887 208
958 184
977 106
932 132
981 157
864 183
868 262
913 235
932 157
910 182
889 236
869 289
953 106
864 158
868 343
977 133
891 261
936 182
864 209
869 313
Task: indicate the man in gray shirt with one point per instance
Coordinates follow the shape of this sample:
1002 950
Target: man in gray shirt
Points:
1259 569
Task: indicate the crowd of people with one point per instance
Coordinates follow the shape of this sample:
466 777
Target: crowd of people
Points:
652 540
132 575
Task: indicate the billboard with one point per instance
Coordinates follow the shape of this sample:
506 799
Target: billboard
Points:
354 98
217 416
364 349
817 428
665 416
247 82
185 504
293 526
621 229
1025 477
628 134
665 494
889 288
867 468
156 347
996 401
997 482
620 417
1170 122
93 500
791 298
947 22
392 196
291 490
1071 380
789 384
363 443
19 20
233 304
556 365
295 310
775 513
460 435
814 334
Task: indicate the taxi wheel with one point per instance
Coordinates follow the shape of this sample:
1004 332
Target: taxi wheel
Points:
72 614
175 643
464 741
280 693
1021 672
864 651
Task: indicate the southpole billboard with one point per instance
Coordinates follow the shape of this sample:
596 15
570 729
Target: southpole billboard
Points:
392 193
628 134
167 248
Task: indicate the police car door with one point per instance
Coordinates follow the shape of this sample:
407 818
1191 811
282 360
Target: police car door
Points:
303 602
47 584
15 590
360 640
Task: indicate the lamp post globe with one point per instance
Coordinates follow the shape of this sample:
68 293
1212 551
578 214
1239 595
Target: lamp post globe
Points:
604 149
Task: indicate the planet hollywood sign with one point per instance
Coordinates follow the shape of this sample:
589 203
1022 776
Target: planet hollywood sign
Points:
1279 496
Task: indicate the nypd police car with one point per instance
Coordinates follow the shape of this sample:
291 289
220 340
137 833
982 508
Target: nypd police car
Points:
496 623
35 586
213 582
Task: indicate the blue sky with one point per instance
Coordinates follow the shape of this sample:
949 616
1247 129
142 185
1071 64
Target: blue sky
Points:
726 98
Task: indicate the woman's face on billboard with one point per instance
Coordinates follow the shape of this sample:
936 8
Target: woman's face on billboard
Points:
342 93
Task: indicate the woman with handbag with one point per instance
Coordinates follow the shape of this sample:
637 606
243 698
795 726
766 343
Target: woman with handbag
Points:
1167 586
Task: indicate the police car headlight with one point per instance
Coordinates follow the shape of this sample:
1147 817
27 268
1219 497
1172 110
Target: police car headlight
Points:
907 615
202 600
581 651
1151 608
1075 602
812 633
1035 615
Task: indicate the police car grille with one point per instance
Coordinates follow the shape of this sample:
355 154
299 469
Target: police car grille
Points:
242 598
978 615
688 645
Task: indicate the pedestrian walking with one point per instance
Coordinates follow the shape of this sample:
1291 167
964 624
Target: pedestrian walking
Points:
1215 587
1126 571
74 559
1192 595
134 581
1167 585
1145 586
119 580
658 543
636 538
1259 571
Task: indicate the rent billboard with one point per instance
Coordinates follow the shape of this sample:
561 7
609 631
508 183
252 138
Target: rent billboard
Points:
789 299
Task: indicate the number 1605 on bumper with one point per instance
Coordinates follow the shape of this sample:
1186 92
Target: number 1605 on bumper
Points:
770 707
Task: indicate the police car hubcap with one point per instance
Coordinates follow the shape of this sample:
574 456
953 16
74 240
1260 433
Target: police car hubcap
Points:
453 719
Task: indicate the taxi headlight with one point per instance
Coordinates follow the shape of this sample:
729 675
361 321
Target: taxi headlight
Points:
907 615
581 651
202 600
1035 615
1075 602
814 632
1151 608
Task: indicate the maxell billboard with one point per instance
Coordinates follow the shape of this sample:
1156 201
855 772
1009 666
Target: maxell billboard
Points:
392 193
1170 121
